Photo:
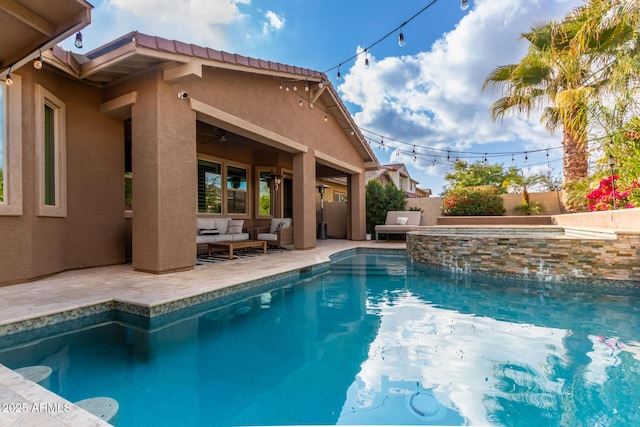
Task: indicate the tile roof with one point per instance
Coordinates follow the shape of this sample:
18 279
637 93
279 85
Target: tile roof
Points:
176 47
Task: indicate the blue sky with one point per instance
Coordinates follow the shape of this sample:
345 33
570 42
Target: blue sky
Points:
424 97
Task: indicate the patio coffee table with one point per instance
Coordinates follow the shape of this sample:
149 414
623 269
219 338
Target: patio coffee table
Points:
241 244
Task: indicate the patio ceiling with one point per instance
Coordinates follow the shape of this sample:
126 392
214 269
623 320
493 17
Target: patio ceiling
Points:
30 26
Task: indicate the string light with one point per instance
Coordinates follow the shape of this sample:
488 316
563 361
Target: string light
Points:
8 80
400 37
366 59
326 117
306 85
37 63
78 42
464 4
338 75
526 157
321 84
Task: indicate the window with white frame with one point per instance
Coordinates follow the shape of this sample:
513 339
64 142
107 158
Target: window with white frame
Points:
50 154
11 148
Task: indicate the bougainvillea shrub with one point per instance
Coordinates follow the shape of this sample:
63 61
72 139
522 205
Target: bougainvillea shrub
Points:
469 201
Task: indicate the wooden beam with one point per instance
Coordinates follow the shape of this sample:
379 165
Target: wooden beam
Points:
27 16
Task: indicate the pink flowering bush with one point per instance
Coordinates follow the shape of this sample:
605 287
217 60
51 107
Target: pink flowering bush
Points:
602 198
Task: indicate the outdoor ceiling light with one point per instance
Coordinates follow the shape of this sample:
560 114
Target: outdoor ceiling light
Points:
78 42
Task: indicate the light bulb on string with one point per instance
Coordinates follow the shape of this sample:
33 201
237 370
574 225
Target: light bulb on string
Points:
448 156
512 159
366 59
300 103
78 42
295 88
326 117
321 84
280 86
338 75
286 88
37 63
526 157
306 85
8 80
547 156
401 41
464 4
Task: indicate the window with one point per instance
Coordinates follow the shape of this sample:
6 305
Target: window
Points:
51 154
11 148
236 190
339 197
222 188
209 187
265 196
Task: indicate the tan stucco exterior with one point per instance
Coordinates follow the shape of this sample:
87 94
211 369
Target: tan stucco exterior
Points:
269 130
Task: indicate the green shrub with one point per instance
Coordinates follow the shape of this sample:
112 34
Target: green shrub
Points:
525 208
381 199
468 201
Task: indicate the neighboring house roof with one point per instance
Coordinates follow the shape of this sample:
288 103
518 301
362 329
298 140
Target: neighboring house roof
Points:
35 26
135 52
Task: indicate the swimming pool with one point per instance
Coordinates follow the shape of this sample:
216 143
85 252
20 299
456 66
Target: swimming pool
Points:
374 339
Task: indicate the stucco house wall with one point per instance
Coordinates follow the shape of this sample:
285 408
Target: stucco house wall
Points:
91 233
299 142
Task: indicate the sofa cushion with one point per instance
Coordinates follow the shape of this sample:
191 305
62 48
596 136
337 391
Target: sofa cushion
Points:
205 223
269 237
239 236
222 224
235 226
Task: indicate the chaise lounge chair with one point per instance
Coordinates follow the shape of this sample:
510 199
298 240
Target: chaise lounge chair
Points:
399 222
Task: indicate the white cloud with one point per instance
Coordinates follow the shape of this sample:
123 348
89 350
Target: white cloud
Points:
434 98
273 23
197 21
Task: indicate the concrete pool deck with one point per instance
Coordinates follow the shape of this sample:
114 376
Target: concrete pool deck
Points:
73 291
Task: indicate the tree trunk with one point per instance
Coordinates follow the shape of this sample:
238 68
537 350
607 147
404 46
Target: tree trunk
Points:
575 164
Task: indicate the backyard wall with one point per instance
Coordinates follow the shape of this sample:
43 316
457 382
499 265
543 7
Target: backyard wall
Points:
432 206
623 219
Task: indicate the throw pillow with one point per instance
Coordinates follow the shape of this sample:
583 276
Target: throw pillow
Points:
281 226
235 226
402 220
210 231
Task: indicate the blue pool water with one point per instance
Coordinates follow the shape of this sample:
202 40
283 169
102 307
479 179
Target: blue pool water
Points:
373 340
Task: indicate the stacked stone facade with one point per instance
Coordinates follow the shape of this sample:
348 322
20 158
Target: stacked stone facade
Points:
590 261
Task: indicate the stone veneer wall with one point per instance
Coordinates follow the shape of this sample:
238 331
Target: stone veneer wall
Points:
609 262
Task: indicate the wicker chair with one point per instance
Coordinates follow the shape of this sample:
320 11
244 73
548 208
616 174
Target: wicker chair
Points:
279 234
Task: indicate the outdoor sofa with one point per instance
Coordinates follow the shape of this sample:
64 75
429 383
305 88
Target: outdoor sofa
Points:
399 222
213 230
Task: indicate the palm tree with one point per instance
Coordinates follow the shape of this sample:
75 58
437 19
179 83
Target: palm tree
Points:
572 67
556 76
